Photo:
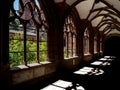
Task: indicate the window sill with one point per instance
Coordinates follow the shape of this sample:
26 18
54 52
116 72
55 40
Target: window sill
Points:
87 54
101 51
74 57
23 67
95 52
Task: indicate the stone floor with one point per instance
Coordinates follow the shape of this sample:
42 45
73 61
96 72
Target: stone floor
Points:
101 74
93 76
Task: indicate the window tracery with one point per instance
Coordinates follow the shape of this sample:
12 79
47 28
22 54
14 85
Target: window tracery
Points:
28 29
69 38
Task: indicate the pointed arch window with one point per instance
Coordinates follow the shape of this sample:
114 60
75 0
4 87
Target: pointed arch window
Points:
86 42
28 29
69 38
95 44
100 44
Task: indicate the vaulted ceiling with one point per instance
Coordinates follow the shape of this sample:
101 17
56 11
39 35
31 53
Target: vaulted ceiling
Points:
103 14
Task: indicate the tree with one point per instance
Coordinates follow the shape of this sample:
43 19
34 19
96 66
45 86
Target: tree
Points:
16 49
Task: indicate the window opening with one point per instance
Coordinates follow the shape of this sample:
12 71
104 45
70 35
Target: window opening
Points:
86 42
27 33
95 44
69 38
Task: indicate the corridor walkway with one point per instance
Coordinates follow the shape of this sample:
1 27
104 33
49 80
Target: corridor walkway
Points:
101 74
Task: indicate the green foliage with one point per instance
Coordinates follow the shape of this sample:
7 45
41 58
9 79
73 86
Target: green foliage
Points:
14 24
31 52
16 49
43 53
